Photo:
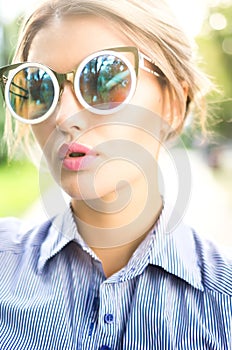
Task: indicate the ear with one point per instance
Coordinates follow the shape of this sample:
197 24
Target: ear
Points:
173 112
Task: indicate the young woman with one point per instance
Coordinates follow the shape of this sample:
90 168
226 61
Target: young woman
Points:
101 85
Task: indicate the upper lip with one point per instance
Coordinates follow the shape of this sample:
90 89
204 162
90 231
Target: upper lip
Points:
74 149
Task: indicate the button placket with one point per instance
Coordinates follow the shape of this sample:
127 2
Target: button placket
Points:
107 316
107 305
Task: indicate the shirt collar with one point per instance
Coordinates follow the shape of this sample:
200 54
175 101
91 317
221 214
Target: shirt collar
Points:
62 231
175 252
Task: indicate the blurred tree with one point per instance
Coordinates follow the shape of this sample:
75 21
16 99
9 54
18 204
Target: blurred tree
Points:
215 46
8 37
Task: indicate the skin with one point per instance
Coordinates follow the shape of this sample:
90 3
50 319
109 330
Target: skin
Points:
62 45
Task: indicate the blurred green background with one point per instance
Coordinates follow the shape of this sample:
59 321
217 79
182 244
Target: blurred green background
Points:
19 187
18 178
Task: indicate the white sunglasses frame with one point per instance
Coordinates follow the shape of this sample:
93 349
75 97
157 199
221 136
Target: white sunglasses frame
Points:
57 80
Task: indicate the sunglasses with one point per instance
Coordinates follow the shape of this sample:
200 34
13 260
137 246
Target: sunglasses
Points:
104 82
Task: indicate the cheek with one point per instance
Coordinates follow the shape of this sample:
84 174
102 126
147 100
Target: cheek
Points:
132 140
149 94
42 132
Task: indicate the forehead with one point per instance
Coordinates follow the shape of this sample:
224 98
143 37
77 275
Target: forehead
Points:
63 43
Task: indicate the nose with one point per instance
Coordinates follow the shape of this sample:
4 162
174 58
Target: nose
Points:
69 116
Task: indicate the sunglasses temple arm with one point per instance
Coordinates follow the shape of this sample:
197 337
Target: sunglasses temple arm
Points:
2 89
3 77
2 85
156 71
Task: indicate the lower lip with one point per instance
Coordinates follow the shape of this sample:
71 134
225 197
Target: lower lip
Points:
78 163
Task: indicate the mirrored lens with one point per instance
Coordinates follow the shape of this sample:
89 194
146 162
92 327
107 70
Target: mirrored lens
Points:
105 82
31 92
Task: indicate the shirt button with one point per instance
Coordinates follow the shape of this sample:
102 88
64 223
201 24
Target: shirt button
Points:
105 347
109 318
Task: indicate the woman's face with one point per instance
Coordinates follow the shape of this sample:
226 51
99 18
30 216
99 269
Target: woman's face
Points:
117 144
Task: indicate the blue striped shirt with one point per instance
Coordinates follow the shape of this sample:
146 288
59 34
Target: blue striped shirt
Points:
175 292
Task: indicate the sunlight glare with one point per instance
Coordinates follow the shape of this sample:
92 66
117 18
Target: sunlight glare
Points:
189 13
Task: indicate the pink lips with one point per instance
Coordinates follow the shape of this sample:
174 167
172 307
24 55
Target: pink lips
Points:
76 156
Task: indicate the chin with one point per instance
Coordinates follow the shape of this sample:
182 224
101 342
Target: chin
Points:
82 193
87 186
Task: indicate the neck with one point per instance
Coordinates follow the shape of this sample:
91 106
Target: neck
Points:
115 225
119 218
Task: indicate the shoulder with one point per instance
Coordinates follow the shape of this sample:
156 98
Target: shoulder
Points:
9 223
10 229
15 234
216 265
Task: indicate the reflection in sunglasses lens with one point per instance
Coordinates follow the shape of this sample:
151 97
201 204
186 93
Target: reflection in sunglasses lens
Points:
105 82
31 93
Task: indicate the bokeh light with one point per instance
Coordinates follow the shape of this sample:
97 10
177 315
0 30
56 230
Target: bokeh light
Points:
218 21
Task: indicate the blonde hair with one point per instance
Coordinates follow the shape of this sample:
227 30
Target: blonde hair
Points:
152 27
